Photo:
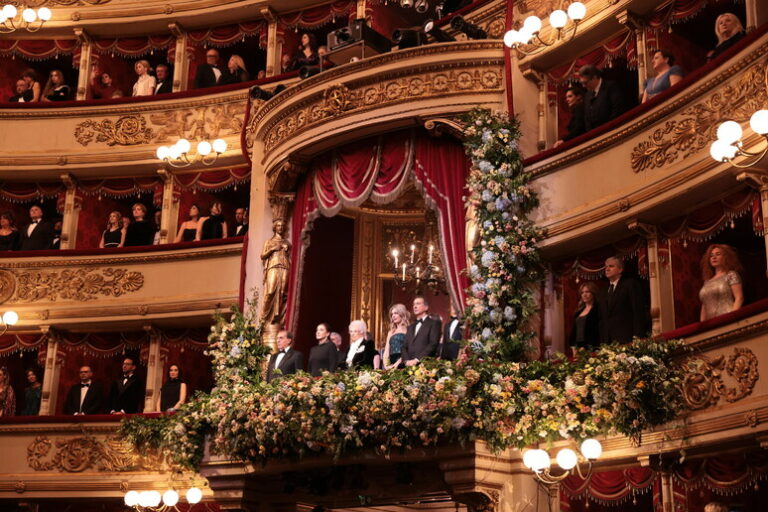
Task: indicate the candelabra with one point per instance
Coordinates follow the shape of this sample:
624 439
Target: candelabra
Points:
729 144
10 20
416 259
178 154
527 40
8 319
145 501
538 461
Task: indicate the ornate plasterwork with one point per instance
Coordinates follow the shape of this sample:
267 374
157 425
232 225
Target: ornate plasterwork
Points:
51 3
7 285
83 453
79 284
695 128
703 385
126 131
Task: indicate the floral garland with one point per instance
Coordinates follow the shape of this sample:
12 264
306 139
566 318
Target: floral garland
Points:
506 262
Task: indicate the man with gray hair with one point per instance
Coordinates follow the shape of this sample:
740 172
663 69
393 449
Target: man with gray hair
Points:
604 99
626 313
361 351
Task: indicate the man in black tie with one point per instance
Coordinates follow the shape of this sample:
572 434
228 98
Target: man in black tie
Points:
38 234
127 392
208 74
85 397
164 81
286 360
361 350
449 346
423 335
625 312
241 221
604 99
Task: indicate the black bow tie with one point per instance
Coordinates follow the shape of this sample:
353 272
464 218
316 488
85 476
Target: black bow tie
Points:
419 321
35 221
281 352
454 318
84 385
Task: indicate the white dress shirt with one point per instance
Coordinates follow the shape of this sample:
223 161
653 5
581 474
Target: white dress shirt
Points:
353 348
452 329
144 86
83 392
216 73
280 356
32 226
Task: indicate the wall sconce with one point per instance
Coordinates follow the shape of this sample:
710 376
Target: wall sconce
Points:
178 154
10 20
528 34
8 319
538 461
729 144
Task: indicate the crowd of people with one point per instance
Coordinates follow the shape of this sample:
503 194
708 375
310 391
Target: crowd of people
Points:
121 230
28 88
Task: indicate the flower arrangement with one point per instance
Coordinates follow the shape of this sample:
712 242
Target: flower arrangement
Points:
506 263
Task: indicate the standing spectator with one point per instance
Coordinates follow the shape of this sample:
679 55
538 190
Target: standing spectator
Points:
38 234
574 98
188 228
114 235
722 291
729 31
7 396
241 221
588 329
33 84
286 64
140 231
164 83
214 226
423 335
449 345
56 89
208 74
104 88
236 72
667 74
399 318
323 356
286 360
23 92
361 351
9 235
33 394
145 85
307 53
625 313
604 100
336 340
126 392
85 397
158 220
173 394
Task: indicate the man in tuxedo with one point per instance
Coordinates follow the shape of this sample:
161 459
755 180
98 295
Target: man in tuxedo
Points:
449 346
23 93
423 335
286 360
126 393
361 350
625 312
38 234
241 221
86 396
604 99
164 81
208 74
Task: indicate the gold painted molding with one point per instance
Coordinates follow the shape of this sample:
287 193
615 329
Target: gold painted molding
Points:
703 384
81 284
126 131
85 453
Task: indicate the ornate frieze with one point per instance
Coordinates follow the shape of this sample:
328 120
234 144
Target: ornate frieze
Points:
79 284
703 385
81 454
126 131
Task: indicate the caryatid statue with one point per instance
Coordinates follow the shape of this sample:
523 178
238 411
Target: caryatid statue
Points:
276 261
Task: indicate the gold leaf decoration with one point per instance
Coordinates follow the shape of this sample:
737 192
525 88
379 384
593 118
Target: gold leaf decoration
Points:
82 284
7 285
83 453
703 385
126 131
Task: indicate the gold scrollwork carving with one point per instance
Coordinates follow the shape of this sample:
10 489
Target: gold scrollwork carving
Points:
208 122
7 285
703 384
694 130
50 3
82 284
82 453
126 131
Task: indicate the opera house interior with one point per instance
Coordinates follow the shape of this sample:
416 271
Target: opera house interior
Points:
383 255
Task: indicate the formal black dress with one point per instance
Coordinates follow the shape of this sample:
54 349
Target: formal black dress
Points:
61 93
212 228
169 394
112 238
237 77
722 47
576 125
139 233
32 398
323 357
588 329
300 60
10 242
188 235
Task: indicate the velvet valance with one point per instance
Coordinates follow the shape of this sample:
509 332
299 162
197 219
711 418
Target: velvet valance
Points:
212 181
318 16
133 46
227 35
28 192
37 49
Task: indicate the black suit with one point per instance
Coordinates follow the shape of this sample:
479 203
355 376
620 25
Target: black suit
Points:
292 362
164 87
126 397
424 343
205 77
576 124
363 357
93 403
40 239
625 312
26 95
241 229
606 105
449 348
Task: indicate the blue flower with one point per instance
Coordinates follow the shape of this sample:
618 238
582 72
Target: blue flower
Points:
235 351
499 240
487 224
487 195
488 258
505 216
513 144
474 271
495 316
486 135
478 287
485 166
521 270
341 387
486 333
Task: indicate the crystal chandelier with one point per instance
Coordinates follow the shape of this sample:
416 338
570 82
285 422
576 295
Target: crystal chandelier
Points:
729 144
539 462
527 39
29 19
178 155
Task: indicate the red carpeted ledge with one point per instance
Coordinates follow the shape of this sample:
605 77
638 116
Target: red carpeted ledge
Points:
699 327
68 418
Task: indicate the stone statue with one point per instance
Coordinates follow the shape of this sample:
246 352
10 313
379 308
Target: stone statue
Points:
276 262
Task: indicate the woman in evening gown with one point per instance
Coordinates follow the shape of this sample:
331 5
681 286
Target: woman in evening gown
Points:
323 356
9 235
722 291
399 318
188 228
173 394
114 235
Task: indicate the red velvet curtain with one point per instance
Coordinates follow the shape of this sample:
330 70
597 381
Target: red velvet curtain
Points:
36 49
705 222
317 16
228 34
132 47
607 487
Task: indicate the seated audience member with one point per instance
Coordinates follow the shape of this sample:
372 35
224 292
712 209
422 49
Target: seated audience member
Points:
102 86
85 397
423 334
58 225
241 221
33 84
140 231
188 228
399 318
114 235
336 340
126 393
9 235
23 92
56 89
666 74
360 352
158 220
452 334
33 394
323 356
286 360
164 82
574 98
235 72
624 312
587 328
208 74
145 85
729 31
7 396
38 234
286 64
722 291
307 53
173 394
604 99
213 226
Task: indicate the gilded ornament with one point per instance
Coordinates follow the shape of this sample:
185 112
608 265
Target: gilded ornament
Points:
337 99
81 284
83 453
496 28
7 285
703 385
51 3
126 131
751 419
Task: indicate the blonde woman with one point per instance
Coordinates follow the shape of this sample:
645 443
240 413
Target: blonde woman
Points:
56 89
399 319
114 235
145 85
236 72
728 30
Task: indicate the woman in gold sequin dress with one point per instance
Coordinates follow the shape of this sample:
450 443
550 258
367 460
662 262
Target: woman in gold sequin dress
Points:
722 291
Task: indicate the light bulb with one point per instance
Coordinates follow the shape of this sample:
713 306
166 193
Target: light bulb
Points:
558 19
721 150
145 499
154 498
729 132
194 495
577 11
591 449
204 148
219 146
174 152
524 36
539 460
532 24
170 497
10 317
528 458
759 122
566 459
163 152
29 15
131 498
44 13
511 38
9 11
184 145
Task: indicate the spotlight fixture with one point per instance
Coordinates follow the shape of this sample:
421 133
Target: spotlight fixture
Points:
407 38
257 93
438 34
528 35
459 24
538 461
23 18
308 71
178 154
8 319
729 144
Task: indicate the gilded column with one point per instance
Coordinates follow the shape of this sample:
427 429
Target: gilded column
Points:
54 360
758 179
84 74
637 26
542 110
659 278
154 370
181 58
169 218
273 46
72 206
360 14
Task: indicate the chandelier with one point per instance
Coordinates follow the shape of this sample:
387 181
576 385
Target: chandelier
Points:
178 154
527 39
539 461
153 501
415 259
729 144
30 20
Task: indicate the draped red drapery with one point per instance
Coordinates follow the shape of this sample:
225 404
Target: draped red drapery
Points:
37 49
607 487
378 169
